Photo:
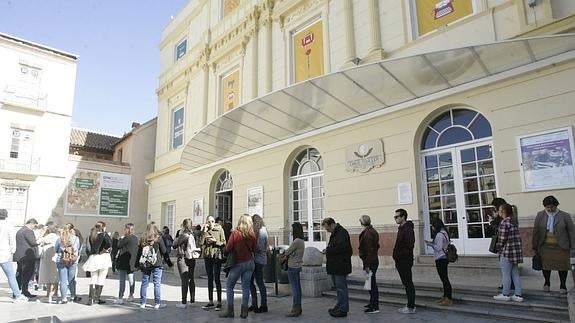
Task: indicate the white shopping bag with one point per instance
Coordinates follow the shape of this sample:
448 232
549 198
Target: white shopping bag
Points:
367 285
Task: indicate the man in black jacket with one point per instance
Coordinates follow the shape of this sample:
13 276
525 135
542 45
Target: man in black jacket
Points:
403 256
126 262
338 264
25 256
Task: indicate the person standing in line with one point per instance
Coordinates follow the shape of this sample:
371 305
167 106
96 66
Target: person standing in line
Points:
510 252
7 249
151 264
368 248
338 264
439 245
187 255
212 242
554 241
114 252
168 242
25 256
260 259
98 262
126 262
67 250
39 231
243 243
48 273
295 261
403 257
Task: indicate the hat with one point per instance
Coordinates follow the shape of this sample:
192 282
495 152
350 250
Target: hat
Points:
3 214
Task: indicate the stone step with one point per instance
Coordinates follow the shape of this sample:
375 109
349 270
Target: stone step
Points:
476 261
476 309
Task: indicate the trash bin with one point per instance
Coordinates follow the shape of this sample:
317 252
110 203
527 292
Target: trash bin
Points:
269 267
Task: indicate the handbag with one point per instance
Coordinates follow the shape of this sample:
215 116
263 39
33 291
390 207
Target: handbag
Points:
284 262
493 244
536 263
230 262
218 254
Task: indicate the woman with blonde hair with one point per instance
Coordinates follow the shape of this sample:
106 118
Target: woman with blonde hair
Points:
242 243
260 260
150 263
67 256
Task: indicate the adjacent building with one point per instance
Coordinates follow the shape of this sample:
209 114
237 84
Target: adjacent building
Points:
303 109
36 100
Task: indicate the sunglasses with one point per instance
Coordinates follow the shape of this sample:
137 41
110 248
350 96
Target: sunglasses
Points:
396 216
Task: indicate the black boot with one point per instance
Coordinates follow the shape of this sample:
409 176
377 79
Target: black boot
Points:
98 292
229 313
91 296
244 312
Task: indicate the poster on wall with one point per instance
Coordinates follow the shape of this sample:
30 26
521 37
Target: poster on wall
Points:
177 128
307 45
230 91
547 159
434 14
256 201
94 193
198 211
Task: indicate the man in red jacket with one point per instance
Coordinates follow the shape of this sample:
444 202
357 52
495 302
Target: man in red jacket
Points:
403 256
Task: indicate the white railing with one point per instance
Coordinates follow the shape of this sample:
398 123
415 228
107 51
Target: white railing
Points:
31 166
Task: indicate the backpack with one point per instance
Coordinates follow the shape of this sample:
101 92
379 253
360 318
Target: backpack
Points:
149 257
69 254
451 251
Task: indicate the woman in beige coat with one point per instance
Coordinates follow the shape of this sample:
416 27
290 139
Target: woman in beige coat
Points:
554 240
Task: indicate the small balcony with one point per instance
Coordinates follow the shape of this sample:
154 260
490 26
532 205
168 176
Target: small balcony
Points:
19 168
23 98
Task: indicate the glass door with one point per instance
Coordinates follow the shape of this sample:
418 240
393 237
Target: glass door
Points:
459 187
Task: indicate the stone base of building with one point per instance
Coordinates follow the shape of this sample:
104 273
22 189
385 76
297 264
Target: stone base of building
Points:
314 281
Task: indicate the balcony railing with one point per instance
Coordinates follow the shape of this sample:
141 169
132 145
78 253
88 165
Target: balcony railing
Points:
23 98
20 166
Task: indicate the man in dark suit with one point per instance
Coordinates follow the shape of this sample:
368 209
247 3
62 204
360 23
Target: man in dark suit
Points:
25 256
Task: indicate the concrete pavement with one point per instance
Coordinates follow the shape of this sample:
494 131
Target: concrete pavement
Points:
314 309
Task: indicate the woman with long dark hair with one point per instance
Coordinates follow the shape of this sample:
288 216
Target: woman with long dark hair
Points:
510 252
260 260
295 261
98 261
439 245
187 254
212 242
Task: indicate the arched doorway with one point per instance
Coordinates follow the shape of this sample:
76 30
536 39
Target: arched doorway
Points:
224 200
458 177
307 194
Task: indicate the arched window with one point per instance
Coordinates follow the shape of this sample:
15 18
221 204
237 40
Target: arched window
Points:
225 182
224 200
459 177
455 126
307 194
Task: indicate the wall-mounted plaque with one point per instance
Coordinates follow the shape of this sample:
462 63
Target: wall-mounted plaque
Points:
364 156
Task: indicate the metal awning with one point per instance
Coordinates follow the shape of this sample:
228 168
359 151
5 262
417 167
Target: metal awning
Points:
328 100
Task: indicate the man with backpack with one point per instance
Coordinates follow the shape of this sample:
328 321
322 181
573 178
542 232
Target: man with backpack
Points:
403 256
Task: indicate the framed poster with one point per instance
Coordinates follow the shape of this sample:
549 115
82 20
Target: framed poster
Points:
307 45
198 212
95 193
256 201
546 160
230 88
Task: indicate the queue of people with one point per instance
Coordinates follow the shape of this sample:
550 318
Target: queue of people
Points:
244 254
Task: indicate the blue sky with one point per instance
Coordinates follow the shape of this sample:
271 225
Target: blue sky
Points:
117 44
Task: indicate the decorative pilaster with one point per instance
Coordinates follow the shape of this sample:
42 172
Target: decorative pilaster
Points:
349 32
375 50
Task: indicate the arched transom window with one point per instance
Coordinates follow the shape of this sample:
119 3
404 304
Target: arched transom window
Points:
225 182
455 126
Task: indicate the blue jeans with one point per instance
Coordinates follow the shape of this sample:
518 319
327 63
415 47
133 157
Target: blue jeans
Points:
8 269
295 283
67 276
340 282
131 281
244 270
509 271
156 275
258 276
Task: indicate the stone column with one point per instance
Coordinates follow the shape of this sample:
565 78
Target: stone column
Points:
255 49
375 49
206 68
349 32
268 55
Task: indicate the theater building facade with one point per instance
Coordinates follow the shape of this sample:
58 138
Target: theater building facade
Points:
301 110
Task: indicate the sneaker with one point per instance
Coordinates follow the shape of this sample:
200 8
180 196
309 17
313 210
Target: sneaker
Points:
370 310
546 289
76 299
406 310
159 306
64 302
119 301
446 302
218 306
501 297
208 306
131 298
142 305
20 299
517 298
180 305
367 306
563 291
439 301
